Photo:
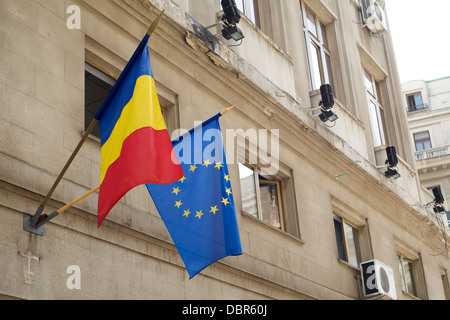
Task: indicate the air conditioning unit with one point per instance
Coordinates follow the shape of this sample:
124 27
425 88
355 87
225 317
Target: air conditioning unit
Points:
374 16
378 281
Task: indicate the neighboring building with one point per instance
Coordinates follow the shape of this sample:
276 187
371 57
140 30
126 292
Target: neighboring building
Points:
428 108
313 202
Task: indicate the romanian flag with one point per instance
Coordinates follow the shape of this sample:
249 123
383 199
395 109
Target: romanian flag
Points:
136 147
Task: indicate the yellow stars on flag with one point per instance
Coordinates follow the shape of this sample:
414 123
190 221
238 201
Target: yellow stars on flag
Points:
225 201
178 204
200 214
214 210
198 209
187 213
206 163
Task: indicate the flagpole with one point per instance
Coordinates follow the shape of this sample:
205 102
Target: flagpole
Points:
66 207
36 218
155 24
39 211
227 110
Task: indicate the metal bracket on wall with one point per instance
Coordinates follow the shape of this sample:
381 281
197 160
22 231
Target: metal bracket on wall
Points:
27 225
206 37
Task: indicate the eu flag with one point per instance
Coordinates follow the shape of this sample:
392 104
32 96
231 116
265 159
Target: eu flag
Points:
199 210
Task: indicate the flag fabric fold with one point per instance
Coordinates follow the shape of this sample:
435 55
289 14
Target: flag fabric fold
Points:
135 144
198 210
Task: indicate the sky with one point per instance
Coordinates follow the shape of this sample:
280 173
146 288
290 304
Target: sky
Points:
421 34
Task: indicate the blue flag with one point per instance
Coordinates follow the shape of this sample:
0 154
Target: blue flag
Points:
199 210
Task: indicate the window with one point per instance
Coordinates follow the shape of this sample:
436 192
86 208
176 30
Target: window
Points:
250 9
261 196
319 55
408 275
415 102
422 141
348 242
97 87
376 109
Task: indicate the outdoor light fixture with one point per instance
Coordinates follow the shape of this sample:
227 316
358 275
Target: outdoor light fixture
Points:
327 97
231 17
327 104
328 115
438 200
392 159
439 209
232 32
391 163
231 12
438 197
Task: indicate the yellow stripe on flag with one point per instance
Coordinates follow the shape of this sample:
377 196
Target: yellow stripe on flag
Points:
142 111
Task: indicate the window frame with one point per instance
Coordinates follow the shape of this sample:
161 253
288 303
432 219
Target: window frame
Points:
401 261
415 107
374 97
170 117
250 8
320 41
108 80
343 223
257 185
416 141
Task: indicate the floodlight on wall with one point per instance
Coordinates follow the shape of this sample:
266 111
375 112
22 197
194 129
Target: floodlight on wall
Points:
327 104
327 97
231 12
438 200
392 158
439 209
328 115
230 18
232 32
438 197
391 163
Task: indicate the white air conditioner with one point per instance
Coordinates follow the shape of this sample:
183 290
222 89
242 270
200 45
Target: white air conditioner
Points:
374 16
377 281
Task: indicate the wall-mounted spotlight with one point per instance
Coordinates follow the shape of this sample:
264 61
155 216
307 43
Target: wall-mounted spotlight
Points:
438 200
327 96
439 209
328 115
438 197
231 17
327 104
391 163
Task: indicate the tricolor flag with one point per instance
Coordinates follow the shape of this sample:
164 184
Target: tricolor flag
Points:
136 147
198 210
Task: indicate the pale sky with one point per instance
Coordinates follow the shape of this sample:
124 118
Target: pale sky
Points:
421 35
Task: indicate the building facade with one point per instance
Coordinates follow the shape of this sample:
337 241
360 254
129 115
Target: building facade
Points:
428 108
311 196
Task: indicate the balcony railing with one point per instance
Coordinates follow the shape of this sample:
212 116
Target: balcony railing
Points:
432 153
420 107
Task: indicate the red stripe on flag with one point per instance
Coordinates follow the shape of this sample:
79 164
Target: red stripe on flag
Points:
145 158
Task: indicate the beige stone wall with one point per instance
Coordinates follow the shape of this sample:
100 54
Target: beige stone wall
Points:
132 255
